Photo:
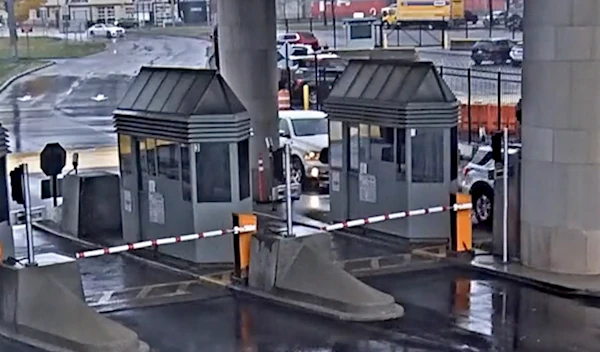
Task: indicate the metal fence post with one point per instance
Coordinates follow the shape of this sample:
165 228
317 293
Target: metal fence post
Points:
287 25
499 102
469 104
310 24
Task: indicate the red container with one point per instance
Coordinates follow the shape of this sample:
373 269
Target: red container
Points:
346 8
483 6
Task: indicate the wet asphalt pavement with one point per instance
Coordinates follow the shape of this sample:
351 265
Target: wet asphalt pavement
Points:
72 101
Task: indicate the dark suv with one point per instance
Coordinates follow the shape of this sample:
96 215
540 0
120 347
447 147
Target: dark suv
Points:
494 50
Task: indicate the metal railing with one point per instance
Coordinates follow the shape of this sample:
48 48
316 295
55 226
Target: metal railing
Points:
488 99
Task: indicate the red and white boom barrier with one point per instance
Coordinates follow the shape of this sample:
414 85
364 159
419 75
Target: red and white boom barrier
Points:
163 241
392 216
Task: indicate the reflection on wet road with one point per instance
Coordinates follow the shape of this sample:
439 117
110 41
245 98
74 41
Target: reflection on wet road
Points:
446 310
98 274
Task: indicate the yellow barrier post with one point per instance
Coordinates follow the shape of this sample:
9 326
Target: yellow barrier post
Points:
305 96
241 246
462 240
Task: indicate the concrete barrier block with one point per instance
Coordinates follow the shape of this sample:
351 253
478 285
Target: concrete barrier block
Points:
462 44
7 241
40 308
299 271
91 204
263 262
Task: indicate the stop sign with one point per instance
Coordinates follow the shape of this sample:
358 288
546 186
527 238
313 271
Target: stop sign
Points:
53 159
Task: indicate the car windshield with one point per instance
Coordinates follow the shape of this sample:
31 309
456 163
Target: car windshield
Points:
309 127
482 157
483 44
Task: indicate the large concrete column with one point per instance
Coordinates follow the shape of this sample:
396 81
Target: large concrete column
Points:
560 228
247 50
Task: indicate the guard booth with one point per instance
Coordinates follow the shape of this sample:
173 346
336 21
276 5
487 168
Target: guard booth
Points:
361 32
392 145
184 159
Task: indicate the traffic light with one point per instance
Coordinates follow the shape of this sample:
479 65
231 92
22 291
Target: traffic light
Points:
16 184
497 146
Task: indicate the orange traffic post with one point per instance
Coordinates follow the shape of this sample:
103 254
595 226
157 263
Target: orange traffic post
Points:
462 233
241 246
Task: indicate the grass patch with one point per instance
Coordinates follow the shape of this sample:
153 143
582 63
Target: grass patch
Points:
9 69
44 47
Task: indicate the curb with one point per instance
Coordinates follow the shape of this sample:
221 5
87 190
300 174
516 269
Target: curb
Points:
444 52
557 289
9 81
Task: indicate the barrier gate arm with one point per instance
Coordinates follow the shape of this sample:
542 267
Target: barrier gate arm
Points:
163 241
393 216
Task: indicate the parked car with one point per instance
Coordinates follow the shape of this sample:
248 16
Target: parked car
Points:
498 18
299 38
478 180
516 55
494 50
106 30
308 132
471 17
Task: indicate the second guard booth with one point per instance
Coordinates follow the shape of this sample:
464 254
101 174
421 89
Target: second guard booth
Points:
184 158
393 145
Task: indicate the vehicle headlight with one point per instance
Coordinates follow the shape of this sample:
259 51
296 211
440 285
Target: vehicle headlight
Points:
311 156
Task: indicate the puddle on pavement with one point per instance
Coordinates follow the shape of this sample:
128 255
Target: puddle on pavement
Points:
491 314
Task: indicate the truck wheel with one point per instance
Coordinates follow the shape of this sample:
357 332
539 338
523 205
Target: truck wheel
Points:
483 205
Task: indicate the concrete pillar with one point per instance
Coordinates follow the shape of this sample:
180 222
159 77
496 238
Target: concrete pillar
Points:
560 215
248 59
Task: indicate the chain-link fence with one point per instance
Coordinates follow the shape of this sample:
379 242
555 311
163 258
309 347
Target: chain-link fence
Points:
488 99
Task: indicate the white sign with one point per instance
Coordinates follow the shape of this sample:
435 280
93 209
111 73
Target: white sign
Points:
156 208
335 181
363 168
127 202
151 186
367 188
24 98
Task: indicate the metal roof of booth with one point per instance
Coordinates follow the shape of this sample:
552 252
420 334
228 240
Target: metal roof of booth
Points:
393 92
190 105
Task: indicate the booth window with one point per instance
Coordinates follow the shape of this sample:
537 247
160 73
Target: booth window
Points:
151 155
354 148
125 155
186 178
401 153
454 153
364 144
213 179
427 155
244 168
382 143
168 160
143 157
364 31
336 154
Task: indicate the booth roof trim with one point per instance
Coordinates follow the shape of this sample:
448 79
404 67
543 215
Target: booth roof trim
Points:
181 92
399 82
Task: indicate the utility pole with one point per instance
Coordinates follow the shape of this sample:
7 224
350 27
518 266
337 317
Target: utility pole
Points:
12 28
491 10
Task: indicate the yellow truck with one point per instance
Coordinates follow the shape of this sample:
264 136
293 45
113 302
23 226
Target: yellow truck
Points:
429 13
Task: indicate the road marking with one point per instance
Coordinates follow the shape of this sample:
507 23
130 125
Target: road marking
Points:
106 296
182 288
144 292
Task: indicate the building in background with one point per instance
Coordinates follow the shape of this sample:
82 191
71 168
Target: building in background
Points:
195 11
76 15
